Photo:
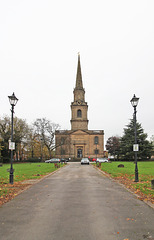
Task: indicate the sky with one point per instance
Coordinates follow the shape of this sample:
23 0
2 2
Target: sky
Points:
39 45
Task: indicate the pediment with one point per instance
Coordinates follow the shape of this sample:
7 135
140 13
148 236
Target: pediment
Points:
79 132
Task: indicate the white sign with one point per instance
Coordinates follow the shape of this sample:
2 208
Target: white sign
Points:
11 145
135 147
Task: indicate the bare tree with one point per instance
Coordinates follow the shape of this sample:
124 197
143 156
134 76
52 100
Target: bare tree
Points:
45 130
21 130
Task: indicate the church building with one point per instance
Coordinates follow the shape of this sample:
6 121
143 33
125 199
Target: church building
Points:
79 141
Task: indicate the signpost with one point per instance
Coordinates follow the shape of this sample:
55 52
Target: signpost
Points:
135 147
11 145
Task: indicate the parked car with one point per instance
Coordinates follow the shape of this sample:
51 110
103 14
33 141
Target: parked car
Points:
53 160
85 161
101 160
63 160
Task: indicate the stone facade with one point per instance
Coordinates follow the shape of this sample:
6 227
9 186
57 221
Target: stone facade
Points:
79 141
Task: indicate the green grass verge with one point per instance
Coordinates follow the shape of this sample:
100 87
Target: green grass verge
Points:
25 171
22 171
145 170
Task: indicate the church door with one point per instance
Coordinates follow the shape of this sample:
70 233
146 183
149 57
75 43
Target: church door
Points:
79 153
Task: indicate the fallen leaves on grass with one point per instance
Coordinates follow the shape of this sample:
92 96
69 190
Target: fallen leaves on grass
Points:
130 184
9 191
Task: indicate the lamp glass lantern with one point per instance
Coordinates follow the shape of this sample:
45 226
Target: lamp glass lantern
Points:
134 101
13 100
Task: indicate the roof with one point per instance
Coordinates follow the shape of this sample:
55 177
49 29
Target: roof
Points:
68 132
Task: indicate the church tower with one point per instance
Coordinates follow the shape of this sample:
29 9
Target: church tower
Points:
79 107
79 142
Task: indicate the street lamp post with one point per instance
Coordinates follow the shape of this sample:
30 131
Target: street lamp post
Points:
96 151
61 144
134 102
13 101
96 143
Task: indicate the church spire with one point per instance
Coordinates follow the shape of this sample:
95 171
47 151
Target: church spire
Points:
79 84
79 107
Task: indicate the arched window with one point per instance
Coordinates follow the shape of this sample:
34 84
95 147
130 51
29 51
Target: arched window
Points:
62 140
62 151
79 113
96 140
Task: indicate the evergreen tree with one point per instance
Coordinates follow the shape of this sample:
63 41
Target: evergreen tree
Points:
128 139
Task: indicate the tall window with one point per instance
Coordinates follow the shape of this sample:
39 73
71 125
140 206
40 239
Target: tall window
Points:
96 140
79 113
62 140
62 151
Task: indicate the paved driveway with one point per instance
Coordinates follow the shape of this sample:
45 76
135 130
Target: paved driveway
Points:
76 203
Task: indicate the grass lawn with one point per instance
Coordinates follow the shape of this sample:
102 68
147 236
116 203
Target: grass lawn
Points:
126 175
22 171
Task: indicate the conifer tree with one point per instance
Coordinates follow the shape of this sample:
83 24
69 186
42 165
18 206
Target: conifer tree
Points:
128 139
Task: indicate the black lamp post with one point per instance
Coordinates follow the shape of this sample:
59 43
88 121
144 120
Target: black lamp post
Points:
61 149
134 102
96 143
96 151
13 101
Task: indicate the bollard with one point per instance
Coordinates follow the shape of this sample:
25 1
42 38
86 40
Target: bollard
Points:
152 183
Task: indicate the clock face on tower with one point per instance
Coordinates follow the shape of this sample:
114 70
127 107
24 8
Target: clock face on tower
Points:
78 102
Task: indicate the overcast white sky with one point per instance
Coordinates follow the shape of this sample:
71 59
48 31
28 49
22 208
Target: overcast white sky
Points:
39 42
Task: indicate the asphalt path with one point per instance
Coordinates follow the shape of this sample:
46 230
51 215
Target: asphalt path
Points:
76 203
